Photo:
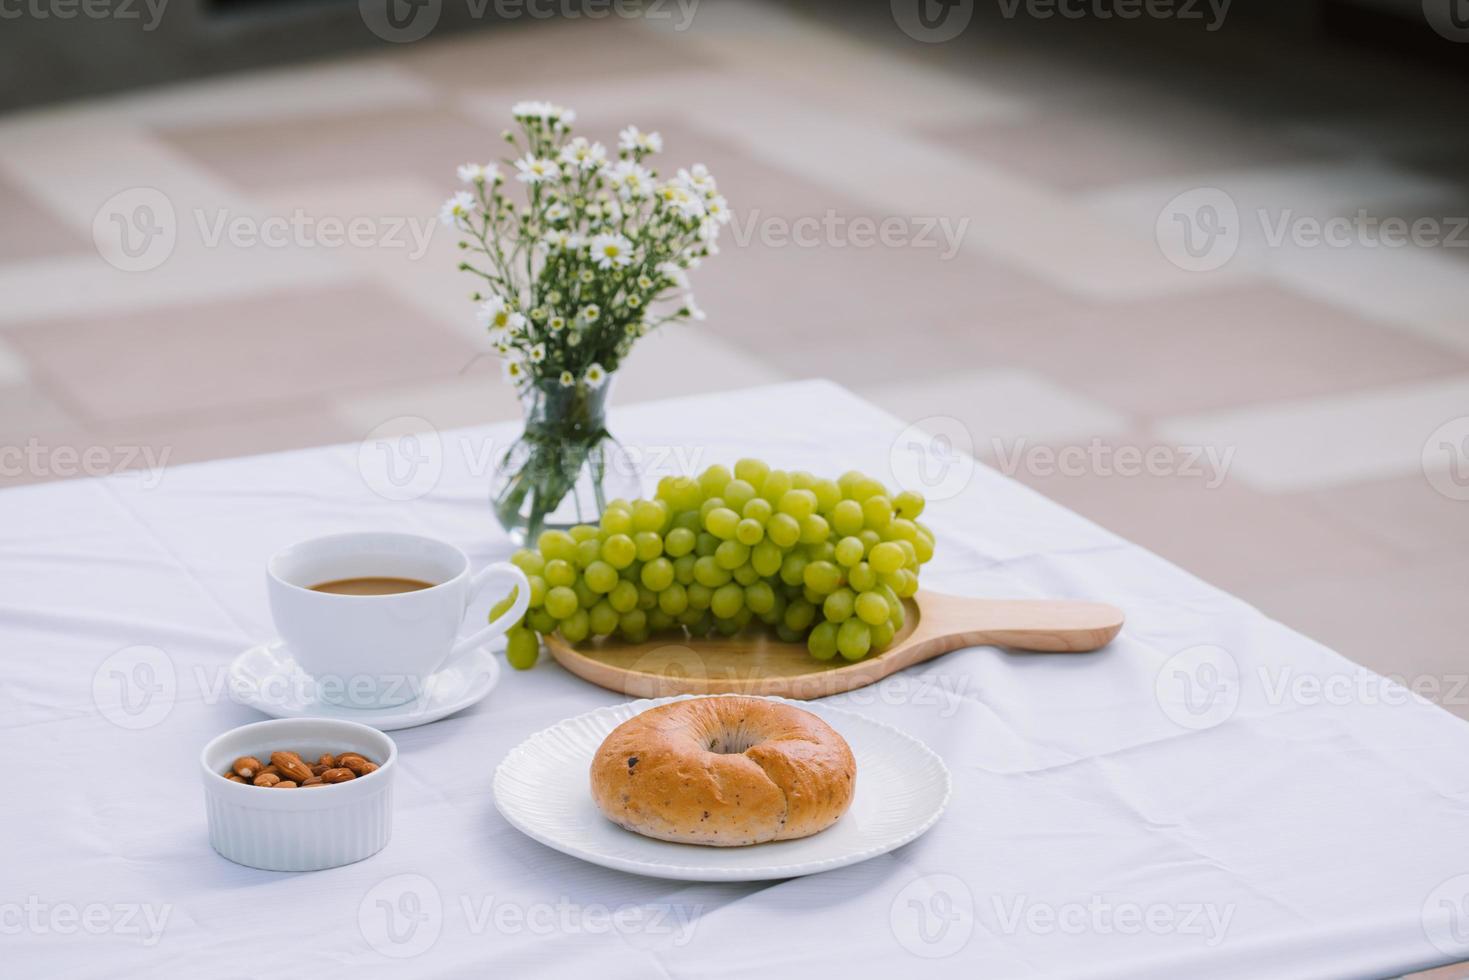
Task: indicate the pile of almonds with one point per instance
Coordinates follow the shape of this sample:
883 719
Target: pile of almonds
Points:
287 770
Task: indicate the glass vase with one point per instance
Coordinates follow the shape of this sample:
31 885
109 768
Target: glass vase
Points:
565 467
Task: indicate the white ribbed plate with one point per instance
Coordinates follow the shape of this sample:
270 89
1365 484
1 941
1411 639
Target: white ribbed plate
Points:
543 787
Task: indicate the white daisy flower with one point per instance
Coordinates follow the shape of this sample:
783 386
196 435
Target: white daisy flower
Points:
534 170
558 212
457 208
589 314
515 322
573 339
630 180
634 140
697 176
479 173
682 199
718 209
514 371
561 240
556 324
490 309
567 379
584 155
596 376
644 282
674 274
610 251
537 353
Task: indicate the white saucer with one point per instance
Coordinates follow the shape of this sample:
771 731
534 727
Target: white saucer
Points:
542 788
265 678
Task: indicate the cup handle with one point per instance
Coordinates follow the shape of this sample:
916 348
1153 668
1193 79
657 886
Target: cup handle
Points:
509 577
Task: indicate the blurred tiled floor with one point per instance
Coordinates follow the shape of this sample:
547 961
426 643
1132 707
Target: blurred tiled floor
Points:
1056 322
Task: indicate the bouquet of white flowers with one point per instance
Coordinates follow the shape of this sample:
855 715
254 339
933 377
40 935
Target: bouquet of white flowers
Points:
591 256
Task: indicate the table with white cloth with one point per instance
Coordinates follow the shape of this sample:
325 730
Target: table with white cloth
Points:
1211 795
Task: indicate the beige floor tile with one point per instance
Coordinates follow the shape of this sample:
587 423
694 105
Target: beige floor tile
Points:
996 408
283 347
29 230
1230 348
1320 442
1397 621
425 144
473 398
27 409
1224 532
1405 515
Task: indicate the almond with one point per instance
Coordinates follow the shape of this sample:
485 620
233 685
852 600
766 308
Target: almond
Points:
269 770
313 781
338 775
267 779
318 769
354 762
291 767
284 784
327 761
246 767
233 778
368 767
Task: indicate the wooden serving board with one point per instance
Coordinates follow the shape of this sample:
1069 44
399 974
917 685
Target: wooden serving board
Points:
758 663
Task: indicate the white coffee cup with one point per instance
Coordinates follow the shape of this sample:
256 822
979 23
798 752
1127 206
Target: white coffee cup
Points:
377 651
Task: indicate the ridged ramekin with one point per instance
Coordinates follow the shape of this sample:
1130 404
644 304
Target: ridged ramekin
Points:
299 829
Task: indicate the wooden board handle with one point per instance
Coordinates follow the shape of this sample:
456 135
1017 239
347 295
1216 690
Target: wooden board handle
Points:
1045 625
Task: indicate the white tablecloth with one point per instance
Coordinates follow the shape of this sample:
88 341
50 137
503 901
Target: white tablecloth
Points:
1101 824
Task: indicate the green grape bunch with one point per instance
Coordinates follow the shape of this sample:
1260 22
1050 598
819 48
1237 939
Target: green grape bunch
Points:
819 561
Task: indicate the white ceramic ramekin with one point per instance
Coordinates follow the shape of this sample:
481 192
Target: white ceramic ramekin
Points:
299 829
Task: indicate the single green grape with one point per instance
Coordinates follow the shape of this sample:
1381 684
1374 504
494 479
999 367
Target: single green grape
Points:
877 512
689 520
793 569
576 627
784 530
752 471
699 596
587 552
822 577
537 590
862 577
584 532
757 509
722 522
799 615
727 601
707 572
679 542
766 558
602 577
746 574
854 639
529 562
872 608
683 570
616 520
846 517
522 648
814 529
822 643
647 598
659 620
684 493
797 503
749 531
909 504
675 599
649 544
882 635
657 574
585 597
838 606
759 598
559 571
649 515
828 493
901 529
556 544
738 493
923 548
623 597
848 480
712 480
849 551
705 544
619 551
732 554
541 621
633 622
602 618
822 551
886 558
777 483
